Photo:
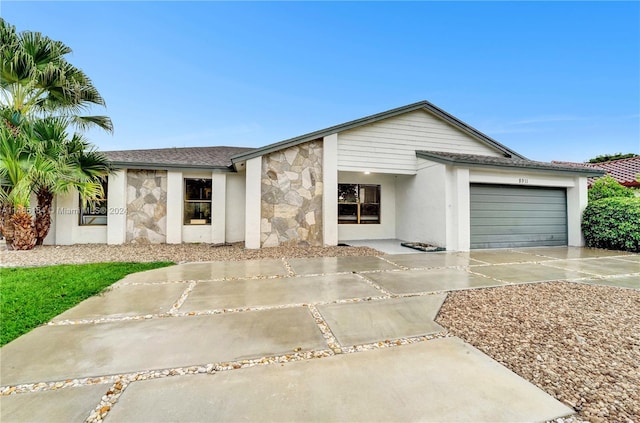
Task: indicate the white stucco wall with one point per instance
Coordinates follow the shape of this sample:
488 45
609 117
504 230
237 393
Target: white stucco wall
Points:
175 196
218 207
253 202
577 198
387 227
330 190
235 207
420 205
67 227
117 207
227 212
458 209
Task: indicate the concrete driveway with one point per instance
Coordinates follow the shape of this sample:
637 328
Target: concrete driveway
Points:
323 339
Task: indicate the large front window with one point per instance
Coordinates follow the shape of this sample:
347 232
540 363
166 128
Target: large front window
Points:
358 203
94 212
197 201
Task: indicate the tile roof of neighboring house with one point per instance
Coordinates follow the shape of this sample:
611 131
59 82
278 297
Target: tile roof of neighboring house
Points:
425 105
474 160
187 157
625 171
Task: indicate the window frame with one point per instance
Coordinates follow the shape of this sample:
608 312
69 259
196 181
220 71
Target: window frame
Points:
205 197
354 197
101 204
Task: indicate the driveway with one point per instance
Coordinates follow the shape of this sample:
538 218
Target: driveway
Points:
322 339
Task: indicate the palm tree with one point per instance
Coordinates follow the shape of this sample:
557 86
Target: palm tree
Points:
36 79
18 171
41 95
76 166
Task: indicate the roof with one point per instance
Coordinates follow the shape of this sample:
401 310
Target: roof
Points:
188 157
625 171
474 160
425 105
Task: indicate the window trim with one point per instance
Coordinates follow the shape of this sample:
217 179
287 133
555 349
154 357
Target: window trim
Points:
194 221
102 204
358 219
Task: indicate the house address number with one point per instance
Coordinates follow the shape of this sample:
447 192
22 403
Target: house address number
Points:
523 180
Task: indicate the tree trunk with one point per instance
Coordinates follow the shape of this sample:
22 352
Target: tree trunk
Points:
25 232
6 225
43 214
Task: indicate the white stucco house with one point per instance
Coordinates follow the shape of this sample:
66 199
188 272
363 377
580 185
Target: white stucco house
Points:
414 173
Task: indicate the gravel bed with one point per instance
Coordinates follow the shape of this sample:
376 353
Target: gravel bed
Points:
579 343
179 253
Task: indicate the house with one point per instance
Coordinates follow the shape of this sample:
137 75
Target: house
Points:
625 171
414 173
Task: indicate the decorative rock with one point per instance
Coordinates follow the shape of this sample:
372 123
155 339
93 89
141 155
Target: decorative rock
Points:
293 176
290 154
310 218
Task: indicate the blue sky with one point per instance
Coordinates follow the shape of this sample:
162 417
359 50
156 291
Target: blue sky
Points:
551 80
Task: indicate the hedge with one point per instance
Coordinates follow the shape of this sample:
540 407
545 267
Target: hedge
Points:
607 187
613 223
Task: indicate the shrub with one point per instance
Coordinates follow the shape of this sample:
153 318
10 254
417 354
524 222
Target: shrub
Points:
608 187
613 223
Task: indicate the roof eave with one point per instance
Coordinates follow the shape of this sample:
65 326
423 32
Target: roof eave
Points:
534 168
172 166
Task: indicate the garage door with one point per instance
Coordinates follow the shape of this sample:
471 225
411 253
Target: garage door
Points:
505 216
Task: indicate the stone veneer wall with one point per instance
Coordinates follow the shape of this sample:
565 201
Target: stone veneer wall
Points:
146 206
292 196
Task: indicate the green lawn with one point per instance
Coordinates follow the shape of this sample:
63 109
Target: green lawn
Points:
32 296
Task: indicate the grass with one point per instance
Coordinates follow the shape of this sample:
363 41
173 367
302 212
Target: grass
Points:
32 296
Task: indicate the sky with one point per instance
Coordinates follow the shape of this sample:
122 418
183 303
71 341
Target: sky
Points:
550 80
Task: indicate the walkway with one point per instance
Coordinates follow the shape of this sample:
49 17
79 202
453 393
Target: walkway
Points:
324 339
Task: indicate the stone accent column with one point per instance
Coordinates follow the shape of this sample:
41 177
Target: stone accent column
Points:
291 196
146 206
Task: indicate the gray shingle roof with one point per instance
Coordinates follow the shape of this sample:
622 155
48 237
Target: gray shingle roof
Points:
474 160
187 157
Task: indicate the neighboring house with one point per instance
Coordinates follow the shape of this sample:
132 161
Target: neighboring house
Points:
414 173
625 171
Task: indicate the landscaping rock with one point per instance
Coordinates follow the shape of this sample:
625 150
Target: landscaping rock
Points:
579 343
179 253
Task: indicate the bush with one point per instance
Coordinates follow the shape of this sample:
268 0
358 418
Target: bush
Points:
608 187
613 223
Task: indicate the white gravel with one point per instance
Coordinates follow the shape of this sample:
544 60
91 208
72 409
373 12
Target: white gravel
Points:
178 253
579 343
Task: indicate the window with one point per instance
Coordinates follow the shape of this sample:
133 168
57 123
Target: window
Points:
94 212
197 201
358 203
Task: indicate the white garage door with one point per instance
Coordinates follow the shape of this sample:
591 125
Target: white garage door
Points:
506 216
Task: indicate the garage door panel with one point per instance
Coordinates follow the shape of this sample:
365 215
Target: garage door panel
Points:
514 190
515 206
510 244
499 199
533 230
519 214
512 216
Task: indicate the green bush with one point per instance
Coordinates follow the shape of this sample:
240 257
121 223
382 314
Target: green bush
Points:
613 223
608 187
